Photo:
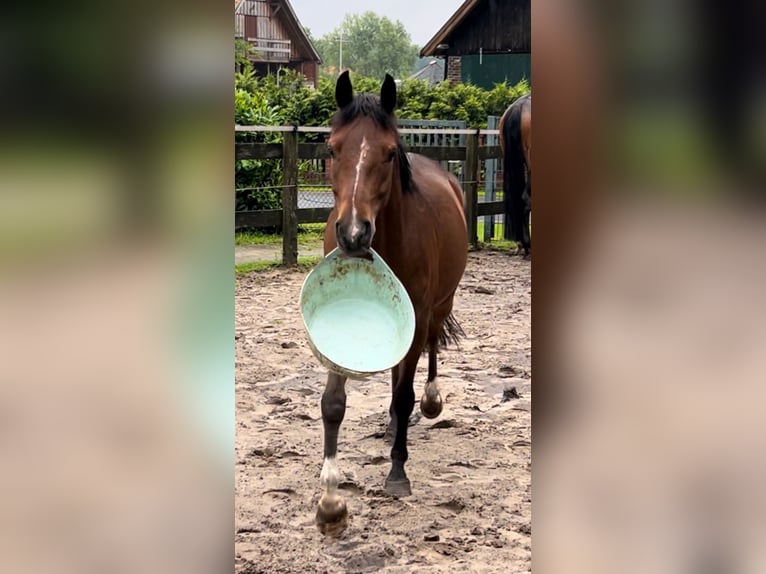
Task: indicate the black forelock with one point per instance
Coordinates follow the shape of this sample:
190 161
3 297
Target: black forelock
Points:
368 105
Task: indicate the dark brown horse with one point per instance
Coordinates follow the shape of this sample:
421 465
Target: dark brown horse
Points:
410 211
516 141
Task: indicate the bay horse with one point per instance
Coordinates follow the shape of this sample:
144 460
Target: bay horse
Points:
516 142
410 211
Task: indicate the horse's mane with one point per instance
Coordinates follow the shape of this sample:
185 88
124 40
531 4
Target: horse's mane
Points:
369 105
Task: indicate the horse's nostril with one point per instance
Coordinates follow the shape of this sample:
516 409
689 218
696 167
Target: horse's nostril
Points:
362 233
365 230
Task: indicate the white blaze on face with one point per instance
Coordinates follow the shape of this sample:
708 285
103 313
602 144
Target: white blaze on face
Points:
363 149
330 475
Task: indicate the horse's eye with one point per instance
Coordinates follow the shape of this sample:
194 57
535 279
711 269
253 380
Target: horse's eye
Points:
391 155
331 152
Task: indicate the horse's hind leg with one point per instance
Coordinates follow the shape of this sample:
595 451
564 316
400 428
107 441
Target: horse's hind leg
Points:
431 401
440 329
332 514
526 198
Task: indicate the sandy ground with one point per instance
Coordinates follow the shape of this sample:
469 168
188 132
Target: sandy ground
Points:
470 509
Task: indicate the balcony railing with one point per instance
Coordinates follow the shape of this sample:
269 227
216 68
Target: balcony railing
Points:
268 50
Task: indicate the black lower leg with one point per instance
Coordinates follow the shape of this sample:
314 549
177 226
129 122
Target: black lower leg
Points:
404 401
526 235
397 483
394 381
432 350
333 411
391 428
431 402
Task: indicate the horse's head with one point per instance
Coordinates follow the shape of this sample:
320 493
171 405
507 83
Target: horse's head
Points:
367 155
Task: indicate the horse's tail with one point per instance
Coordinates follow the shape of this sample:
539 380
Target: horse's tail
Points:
451 332
513 174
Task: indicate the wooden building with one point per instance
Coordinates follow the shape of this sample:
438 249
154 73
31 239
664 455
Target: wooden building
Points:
486 42
277 36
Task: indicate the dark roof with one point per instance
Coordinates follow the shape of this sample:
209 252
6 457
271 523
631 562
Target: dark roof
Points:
300 32
484 26
440 37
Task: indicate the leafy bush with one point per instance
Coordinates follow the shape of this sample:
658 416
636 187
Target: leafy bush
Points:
258 184
257 181
285 100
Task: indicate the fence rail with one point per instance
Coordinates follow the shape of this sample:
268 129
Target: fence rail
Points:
291 150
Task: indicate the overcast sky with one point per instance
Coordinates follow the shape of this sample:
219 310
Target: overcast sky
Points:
422 18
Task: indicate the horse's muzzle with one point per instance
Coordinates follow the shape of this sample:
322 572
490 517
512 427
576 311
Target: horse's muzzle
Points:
355 239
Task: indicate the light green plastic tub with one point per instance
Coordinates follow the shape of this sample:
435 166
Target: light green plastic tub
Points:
358 316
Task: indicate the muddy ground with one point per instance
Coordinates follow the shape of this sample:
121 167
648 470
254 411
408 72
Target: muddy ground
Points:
470 509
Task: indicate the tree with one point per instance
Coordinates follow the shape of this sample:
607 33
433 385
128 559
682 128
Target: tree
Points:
310 36
372 46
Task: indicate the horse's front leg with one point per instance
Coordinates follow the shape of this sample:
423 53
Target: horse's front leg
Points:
332 514
390 432
397 483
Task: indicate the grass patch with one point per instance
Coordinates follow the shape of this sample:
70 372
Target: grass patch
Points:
256 266
252 266
497 236
501 245
309 234
311 231
256 238
497 242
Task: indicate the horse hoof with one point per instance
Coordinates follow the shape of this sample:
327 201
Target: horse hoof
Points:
332 515
431 406
398 488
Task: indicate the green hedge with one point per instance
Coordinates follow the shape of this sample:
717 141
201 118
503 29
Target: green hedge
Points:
287 101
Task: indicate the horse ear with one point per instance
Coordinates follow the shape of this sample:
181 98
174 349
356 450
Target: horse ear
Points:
344 91
388 94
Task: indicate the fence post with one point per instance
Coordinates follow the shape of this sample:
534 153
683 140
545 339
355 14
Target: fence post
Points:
290 198
472 186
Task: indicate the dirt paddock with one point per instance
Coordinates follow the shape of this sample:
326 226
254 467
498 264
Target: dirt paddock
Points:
470 509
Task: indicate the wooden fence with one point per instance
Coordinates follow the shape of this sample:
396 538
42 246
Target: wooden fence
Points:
472 153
